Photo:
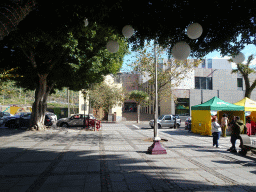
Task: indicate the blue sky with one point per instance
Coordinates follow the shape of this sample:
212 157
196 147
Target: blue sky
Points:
247 51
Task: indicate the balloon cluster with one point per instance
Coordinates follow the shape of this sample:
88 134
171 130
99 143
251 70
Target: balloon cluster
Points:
113 46
181 50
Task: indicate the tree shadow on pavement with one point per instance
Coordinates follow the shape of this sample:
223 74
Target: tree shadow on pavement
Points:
73 162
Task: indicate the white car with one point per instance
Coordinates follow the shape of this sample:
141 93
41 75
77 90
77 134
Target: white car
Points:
52 115
166 121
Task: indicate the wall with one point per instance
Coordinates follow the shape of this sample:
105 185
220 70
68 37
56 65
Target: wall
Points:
16 109
224 80
81 103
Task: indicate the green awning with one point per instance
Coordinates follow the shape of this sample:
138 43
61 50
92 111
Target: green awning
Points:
216 104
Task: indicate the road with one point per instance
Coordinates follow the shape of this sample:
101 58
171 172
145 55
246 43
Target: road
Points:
114 159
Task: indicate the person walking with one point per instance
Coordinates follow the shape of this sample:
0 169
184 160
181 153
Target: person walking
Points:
216 130
237 128
224 124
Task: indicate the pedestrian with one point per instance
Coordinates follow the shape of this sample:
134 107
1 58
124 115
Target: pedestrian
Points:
224 124
216 130
238 127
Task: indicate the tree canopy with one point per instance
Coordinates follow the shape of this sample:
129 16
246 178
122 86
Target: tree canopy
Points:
59 55
227 25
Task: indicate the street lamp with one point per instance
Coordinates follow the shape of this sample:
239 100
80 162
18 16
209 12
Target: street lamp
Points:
85 94
156 148
180 51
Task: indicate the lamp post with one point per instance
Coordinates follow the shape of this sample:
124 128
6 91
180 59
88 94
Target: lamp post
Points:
84 93
156 147
180 51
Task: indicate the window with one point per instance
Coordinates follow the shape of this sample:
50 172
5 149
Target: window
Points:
168 117
203 82
203 64
239 83
209 82
209 61
197 82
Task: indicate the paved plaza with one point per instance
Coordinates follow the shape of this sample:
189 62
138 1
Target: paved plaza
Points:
115 159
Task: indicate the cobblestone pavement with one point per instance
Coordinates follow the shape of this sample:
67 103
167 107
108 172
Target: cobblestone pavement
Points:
115 159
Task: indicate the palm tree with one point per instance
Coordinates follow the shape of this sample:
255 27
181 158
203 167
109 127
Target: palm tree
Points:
246 70
139 97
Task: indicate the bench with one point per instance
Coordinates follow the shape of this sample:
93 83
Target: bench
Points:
246 144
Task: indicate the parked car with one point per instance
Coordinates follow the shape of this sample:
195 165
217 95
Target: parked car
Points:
19 120
4 116
166 121
22 119
52 115
76 120
188 124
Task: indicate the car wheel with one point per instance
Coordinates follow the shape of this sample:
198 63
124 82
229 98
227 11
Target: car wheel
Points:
159 126
64 125
152 127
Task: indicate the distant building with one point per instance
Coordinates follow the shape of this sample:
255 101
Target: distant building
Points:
211 78
130 82
117 109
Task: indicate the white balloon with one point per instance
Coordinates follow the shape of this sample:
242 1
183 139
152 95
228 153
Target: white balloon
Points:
181 50
86 23
239 58
128 31
112 46
194 31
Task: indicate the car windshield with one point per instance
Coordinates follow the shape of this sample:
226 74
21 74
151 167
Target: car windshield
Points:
161 117
23 113
27 115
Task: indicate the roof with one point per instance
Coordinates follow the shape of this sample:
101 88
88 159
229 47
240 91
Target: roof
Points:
249 105
216 104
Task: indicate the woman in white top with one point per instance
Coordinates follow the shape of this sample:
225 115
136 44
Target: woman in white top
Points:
216 130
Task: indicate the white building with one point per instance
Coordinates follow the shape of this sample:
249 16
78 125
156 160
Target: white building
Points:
117 109
211 78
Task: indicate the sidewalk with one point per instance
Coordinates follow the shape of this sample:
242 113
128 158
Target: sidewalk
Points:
114 159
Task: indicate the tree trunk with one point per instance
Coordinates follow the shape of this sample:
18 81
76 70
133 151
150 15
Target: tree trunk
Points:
40 105
138 113
248 93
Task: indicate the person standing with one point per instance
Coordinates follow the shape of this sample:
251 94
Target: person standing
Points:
224 124
237 128
216 130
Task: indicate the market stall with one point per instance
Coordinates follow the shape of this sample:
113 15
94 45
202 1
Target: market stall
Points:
250 111
201 114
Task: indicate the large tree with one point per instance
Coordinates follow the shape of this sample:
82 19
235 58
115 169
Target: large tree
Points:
46 60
